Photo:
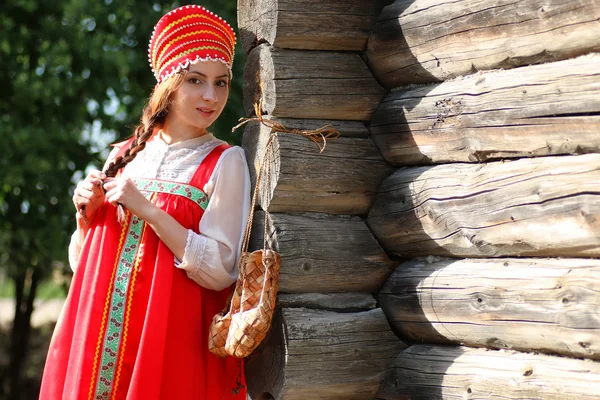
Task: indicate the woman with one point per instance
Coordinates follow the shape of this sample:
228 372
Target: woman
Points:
148 282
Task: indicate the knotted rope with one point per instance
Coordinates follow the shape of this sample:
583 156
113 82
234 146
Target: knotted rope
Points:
318 136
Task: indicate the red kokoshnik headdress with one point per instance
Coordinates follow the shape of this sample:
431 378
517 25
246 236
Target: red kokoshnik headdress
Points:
186 35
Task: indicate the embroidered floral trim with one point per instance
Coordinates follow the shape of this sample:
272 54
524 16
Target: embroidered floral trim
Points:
105 315
131 288
179 189
114 330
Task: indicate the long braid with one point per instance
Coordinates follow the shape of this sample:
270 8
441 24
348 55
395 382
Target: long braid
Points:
142 133
154 116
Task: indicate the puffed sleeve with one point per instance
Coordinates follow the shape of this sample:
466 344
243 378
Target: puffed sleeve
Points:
74 250
210 258
76 238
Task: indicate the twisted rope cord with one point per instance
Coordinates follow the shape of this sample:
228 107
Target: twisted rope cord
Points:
318 136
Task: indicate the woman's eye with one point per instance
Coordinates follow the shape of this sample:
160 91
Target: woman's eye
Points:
194 80
221 83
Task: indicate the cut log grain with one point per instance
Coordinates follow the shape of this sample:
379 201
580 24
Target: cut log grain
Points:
311 354
323 253
426 372
310 84
546 305
308 24
338 302
538 110
427 41
548 206
342 179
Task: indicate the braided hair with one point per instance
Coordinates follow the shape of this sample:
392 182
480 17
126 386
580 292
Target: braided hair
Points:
154 115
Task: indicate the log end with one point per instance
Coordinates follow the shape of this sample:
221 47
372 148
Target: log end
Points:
323 354
265 367
257 22
258 81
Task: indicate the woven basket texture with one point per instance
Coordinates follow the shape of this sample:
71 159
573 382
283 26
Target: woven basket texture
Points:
238 330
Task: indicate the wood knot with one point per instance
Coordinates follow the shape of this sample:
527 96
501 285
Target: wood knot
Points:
528 372
495 342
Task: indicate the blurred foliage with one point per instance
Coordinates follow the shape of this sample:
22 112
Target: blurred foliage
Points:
75 77
73 73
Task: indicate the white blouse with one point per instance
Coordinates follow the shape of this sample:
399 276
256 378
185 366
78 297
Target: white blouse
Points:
210 258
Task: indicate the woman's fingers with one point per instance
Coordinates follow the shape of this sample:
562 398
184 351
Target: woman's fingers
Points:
95 174
87 192
82 192
111 197
110 183
95 187
95 178
122 191
114 190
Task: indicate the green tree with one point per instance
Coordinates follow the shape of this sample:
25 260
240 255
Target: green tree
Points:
75 76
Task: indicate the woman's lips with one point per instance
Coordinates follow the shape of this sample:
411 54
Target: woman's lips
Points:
205 112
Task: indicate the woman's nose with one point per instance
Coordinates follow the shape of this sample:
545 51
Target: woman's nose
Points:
210 94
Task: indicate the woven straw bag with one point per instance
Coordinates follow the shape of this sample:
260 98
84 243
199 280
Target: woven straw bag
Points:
244 323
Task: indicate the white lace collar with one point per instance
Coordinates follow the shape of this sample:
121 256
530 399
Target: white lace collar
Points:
190 144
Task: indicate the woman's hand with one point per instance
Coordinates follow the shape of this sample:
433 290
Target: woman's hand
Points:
89 194
123 191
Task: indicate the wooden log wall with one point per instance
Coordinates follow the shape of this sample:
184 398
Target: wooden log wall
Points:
330 339
527 304
426 372
324 253
490 113
493 124
315 354
343 179
308 24
419 41
540 110
309 84
546 206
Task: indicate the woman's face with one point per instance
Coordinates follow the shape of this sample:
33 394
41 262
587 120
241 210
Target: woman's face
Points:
200 99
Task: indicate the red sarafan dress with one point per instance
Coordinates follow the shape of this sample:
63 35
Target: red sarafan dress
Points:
134 326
